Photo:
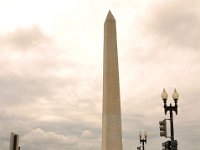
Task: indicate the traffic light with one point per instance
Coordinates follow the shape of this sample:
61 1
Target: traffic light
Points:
174 145
166 145
163 128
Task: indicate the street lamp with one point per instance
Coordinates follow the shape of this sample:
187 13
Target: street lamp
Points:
170 108
143 140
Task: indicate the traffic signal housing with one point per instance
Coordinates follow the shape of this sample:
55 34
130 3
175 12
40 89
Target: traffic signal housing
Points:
174 145
166 145
163 128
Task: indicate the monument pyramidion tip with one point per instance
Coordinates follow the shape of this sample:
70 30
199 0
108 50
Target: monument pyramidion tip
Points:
110 16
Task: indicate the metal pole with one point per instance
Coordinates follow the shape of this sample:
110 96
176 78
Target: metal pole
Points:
171 122
143 144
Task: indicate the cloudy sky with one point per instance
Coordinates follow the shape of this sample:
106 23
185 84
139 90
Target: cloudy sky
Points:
51 58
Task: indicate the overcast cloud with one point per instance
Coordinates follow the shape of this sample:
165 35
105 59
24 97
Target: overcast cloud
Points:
51 56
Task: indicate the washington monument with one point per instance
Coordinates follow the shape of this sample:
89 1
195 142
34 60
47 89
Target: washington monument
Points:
111 119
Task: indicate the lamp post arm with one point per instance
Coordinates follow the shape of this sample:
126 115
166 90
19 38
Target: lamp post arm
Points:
176 107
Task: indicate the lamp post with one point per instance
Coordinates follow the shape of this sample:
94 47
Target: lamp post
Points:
143 140
170 108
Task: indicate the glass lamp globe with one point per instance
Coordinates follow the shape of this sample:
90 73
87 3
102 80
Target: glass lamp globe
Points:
175 95
145 133
140 134
164 95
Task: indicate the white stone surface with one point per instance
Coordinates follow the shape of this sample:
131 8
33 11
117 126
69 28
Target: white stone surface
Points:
111 123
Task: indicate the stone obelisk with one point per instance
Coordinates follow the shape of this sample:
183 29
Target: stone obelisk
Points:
111 119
